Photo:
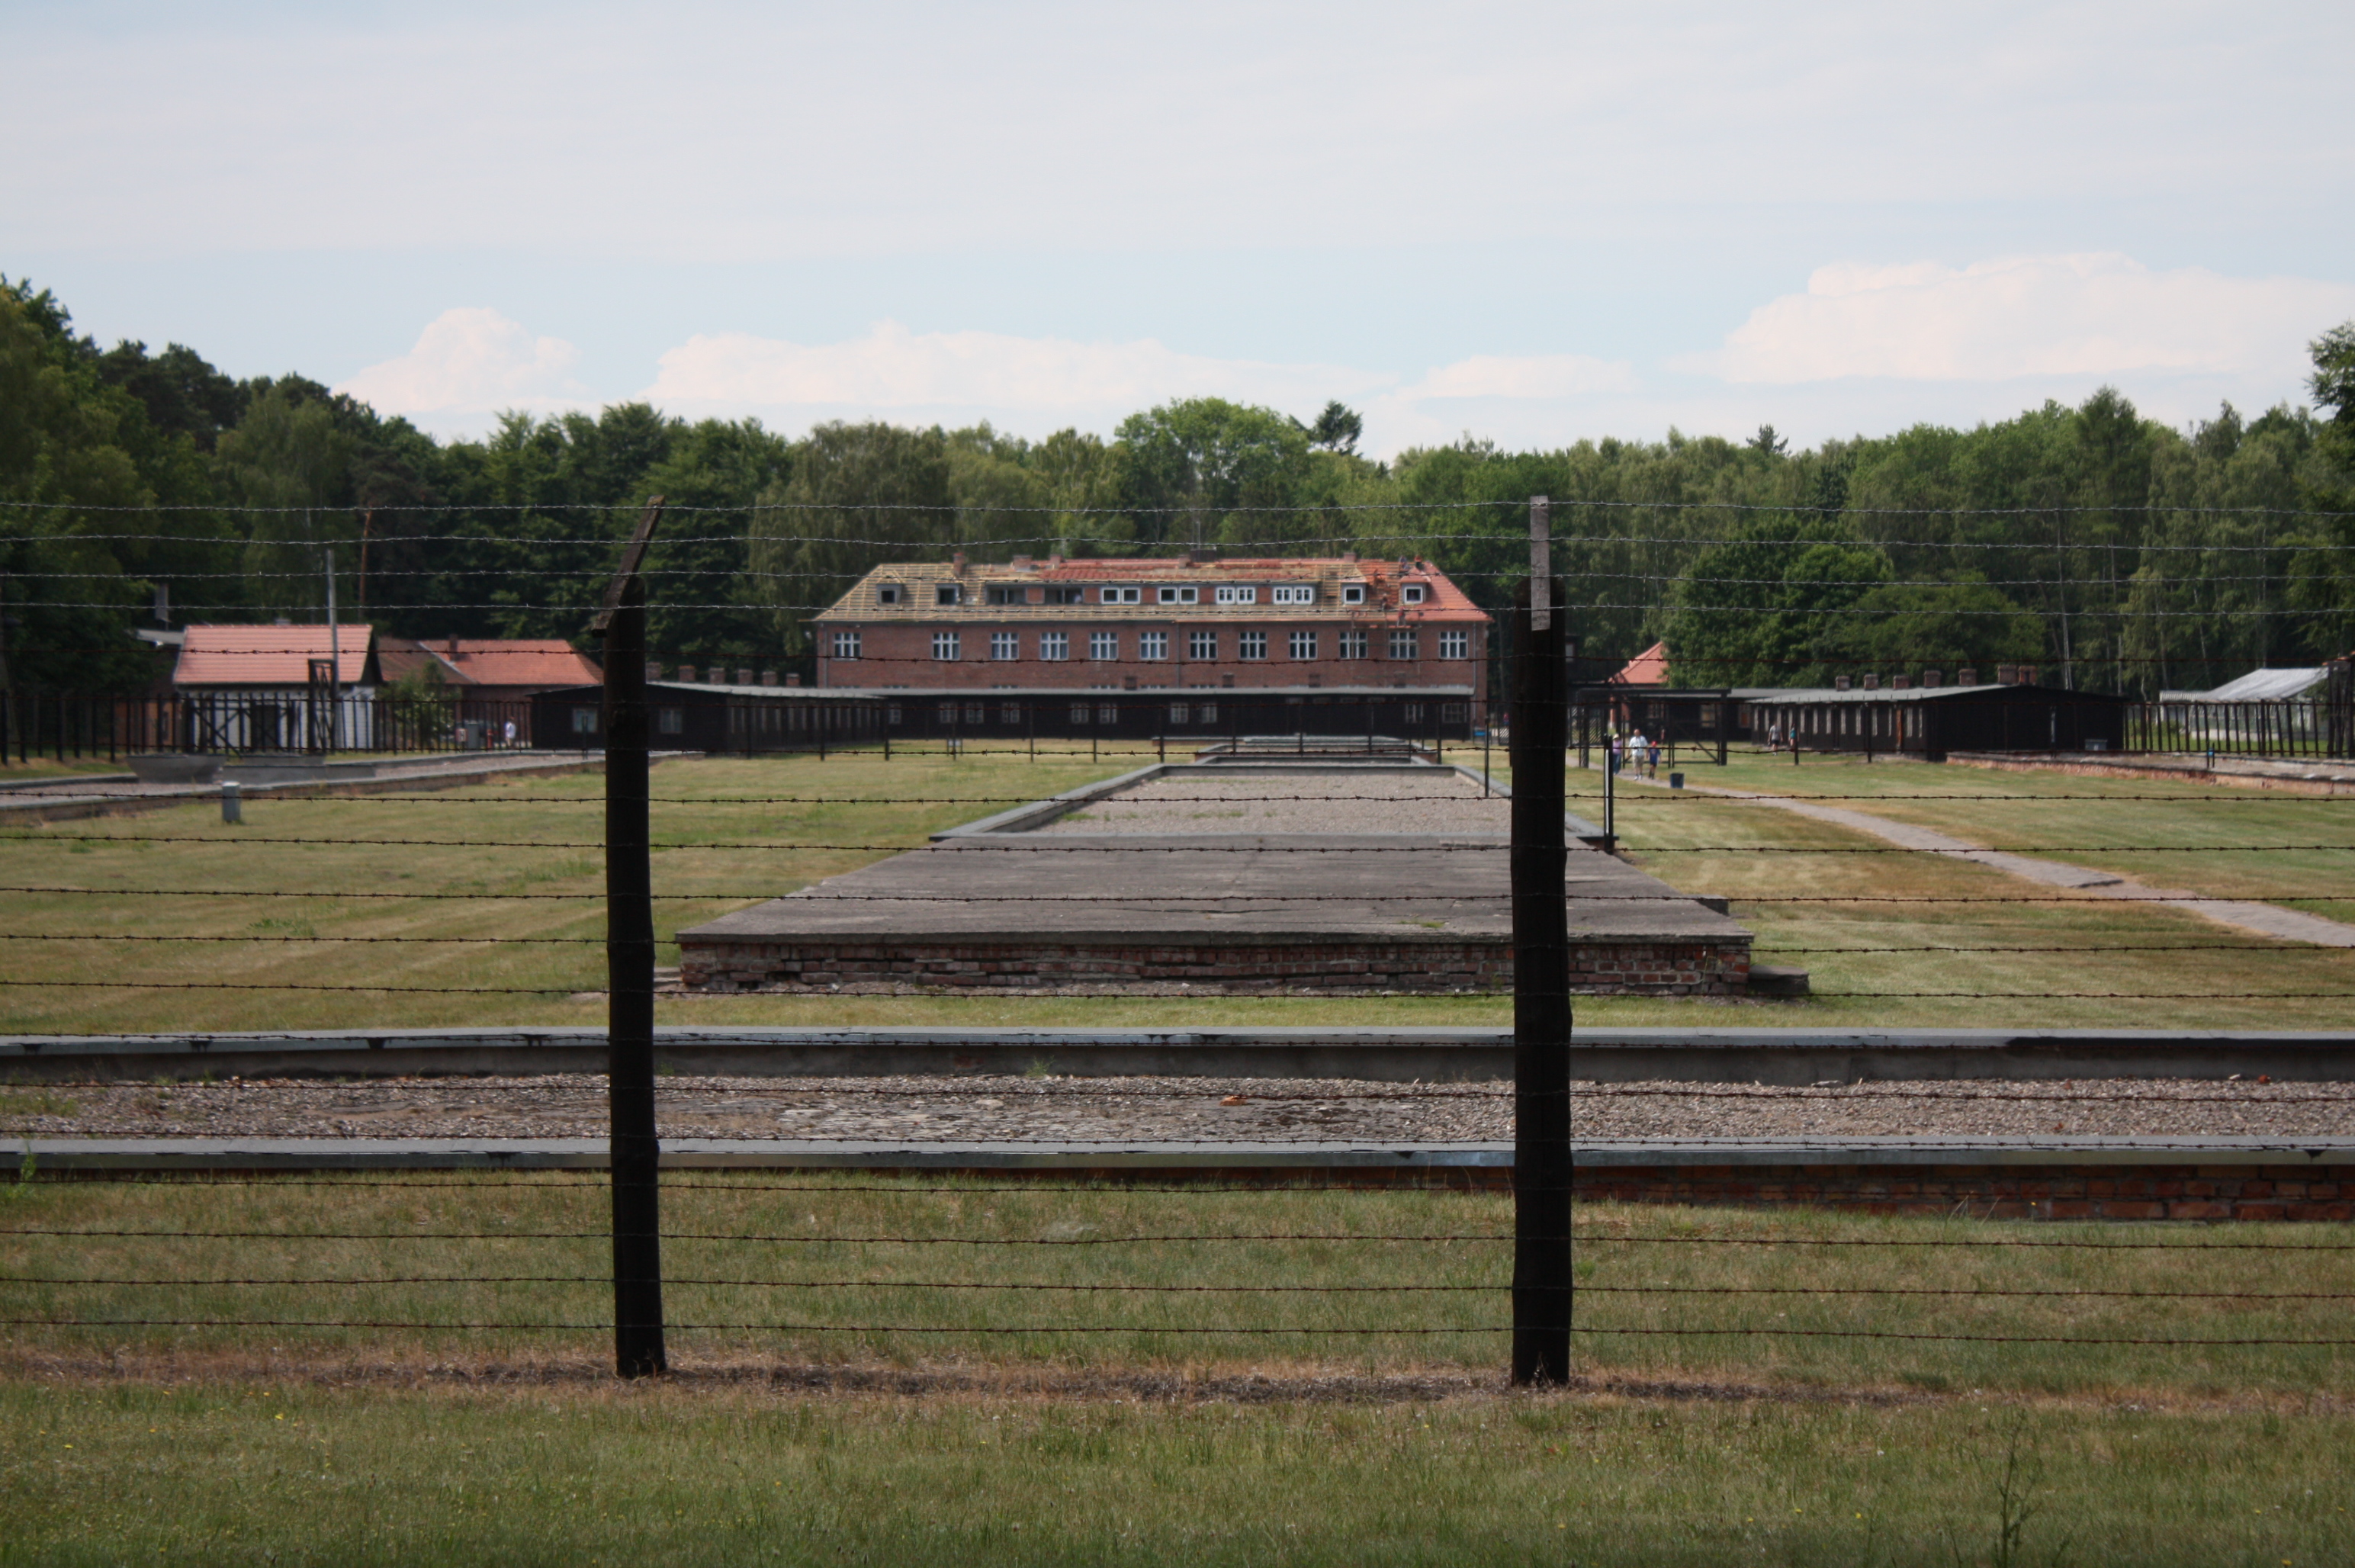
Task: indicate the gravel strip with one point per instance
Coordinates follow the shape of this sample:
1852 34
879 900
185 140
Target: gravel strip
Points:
1085 1109
1308 803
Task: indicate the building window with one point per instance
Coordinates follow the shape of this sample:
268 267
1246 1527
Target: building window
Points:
944 645
1207 712
1353 644
1304 644
1455 645
1080 711
946 713
894 714
1454 712
1412 594
887 593
1054 645
1291 593
1103 644
1414 712
1012 595
1006 645
670 720
1251 645
1067 595
1180 595
1238 595
1009 712
1353 594
584 722
1122 595
1153 645
1402 644
1179 714
1107 713
1201 645
846 645
947 594
975 713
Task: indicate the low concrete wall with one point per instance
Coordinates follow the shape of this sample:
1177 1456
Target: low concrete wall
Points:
1774 1056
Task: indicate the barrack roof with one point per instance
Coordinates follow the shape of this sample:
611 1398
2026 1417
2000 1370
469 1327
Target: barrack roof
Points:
1383 580
269 656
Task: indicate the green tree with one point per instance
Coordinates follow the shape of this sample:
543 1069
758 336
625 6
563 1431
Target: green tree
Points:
1203 470
860 495
1766 606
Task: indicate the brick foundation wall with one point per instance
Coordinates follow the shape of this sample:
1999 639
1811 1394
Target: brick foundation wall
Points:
1996 1191
1680 969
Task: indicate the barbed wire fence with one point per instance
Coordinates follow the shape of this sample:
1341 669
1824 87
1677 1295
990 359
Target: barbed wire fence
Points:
1540 1284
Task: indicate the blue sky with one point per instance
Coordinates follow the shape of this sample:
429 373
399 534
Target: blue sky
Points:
1534 222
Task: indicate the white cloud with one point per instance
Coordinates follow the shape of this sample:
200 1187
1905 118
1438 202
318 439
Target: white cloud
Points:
893 371
2065 315
472 361
1529 376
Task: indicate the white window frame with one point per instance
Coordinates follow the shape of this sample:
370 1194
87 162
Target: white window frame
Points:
1353 594
1121 596
1082 712
1413 593
947 647
1107 713
1455 645
1251 645
945 713
1103 647
1302 645
1009 713
846 645
1153 645
1175 596
1405 645
976 713
1207 712
1352 645
1238 594
1004 646
887 593
1180 713
1054 647
1201 645
1291 593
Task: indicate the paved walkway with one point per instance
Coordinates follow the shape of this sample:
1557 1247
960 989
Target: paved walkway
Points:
2265 919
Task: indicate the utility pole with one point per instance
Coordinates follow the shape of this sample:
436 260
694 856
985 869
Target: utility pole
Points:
1542 1020
635 1149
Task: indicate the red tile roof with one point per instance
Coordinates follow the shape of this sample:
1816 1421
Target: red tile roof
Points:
1383 579
494 661
1649 667
267 656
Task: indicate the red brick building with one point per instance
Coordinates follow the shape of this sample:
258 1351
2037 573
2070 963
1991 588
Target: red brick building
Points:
1152 625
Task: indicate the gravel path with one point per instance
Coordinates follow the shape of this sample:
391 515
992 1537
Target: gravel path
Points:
1082 1109
1377 802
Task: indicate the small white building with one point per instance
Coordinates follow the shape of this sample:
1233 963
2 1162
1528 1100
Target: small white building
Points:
277 688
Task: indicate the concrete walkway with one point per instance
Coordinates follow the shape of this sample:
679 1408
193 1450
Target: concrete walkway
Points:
2245 914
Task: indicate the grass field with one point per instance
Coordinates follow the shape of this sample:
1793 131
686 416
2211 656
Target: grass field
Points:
2139 970
321 1445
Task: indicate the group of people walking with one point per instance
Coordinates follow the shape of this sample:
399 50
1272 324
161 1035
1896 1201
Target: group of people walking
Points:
1636 754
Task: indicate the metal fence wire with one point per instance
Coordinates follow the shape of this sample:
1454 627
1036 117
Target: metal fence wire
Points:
1529 1267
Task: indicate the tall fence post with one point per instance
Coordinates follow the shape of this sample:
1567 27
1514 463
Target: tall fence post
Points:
1541 1157
636 1152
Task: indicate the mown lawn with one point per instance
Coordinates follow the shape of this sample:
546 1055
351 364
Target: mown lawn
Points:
262 907
854 1437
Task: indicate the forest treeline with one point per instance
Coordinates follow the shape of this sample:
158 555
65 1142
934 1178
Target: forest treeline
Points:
2114 551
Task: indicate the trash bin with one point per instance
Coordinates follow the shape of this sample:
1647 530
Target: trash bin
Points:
1676 780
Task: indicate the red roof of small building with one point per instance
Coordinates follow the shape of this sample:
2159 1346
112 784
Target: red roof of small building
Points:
547 662
1649 667
268 655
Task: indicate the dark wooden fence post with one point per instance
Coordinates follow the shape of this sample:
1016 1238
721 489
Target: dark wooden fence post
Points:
1541 1021
635 1151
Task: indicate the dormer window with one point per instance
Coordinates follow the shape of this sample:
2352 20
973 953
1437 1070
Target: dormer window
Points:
1412 594
1010 593
1122 596
1170 595
1291 593
947 594
1067 595
887 593
1238 594
1353 594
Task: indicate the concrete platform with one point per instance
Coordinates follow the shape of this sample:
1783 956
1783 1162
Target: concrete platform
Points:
1217 912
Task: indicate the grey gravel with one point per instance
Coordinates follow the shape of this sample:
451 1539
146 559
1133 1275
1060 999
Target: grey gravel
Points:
1375 802
1087 1109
